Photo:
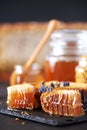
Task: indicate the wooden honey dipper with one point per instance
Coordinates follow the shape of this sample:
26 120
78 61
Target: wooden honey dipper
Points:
16 77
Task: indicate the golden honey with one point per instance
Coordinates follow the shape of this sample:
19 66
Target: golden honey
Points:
66 47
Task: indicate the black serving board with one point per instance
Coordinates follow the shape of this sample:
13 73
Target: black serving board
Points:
36 115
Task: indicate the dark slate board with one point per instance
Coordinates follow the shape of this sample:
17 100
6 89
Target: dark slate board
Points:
37 115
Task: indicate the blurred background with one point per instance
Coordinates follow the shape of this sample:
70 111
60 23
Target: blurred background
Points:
19 36
42 10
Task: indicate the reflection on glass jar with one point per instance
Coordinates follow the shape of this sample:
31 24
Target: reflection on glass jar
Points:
66 46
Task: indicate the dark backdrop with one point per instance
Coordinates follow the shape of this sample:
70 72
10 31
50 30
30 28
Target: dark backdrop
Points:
43 10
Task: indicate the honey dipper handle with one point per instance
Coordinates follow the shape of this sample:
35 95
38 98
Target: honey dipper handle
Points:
53 25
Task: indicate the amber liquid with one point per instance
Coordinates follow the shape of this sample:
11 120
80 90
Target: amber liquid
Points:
4 76
34 79
61 71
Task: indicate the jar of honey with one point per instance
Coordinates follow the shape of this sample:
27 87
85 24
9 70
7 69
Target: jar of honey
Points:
81 70
33 76
66 46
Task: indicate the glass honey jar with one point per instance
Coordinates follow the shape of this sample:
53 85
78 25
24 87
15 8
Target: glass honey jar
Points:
66 47
81 70
33 76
